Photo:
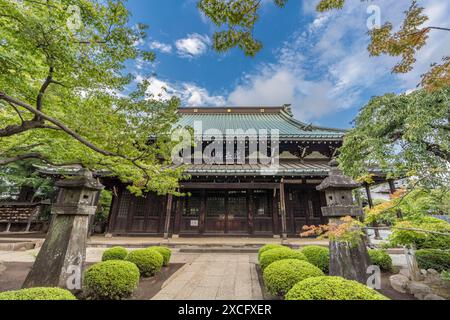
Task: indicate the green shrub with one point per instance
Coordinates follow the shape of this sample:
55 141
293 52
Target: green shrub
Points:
279 254
111 280
421 240
445 275
165 252
268 247
318 256
115 253
436 259
332 288
381 258
38 294
280 276
148 261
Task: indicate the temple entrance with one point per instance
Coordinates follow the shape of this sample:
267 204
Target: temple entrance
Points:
219 211
226 212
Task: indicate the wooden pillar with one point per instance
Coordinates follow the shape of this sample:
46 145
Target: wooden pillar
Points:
369 195
392 190
392 186
168 216
250 207
177 220
371 205
274 203
283 210
113 211
202 212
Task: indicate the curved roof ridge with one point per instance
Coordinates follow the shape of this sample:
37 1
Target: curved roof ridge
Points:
305 126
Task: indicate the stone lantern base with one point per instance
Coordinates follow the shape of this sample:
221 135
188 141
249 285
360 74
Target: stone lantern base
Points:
61 258
349 262
60 262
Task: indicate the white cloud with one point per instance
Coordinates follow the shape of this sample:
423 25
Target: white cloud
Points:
163 47
325 67
194 95
193 45
271 87
189 93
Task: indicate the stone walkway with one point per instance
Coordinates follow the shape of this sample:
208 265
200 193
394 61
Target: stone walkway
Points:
213 276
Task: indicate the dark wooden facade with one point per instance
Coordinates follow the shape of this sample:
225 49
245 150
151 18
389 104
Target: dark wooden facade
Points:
220 211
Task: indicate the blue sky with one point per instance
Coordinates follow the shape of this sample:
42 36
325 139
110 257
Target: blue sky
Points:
316 62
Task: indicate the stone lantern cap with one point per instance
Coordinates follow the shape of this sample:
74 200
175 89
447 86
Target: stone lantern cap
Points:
84 180
337 180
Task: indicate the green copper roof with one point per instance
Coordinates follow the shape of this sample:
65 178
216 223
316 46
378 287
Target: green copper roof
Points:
285 168
245 119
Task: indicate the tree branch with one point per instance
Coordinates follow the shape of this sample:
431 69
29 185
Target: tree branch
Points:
437 151
55 122
32 155
41 93
25 126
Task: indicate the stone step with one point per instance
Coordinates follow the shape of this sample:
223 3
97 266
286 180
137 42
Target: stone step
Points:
218 250
203 247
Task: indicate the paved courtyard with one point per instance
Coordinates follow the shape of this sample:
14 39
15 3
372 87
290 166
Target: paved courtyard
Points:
213 276
205 276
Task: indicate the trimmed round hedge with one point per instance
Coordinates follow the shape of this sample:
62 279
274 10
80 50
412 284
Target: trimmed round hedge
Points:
280 276
436 259
279 254
381 258
115 253
165 252
268 247
148 261
111 280
318 256
332 288
38 294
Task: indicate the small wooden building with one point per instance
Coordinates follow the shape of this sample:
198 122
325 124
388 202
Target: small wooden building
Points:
239 199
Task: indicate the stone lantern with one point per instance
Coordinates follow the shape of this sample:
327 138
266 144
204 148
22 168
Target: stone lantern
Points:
60 261
347 261
338 191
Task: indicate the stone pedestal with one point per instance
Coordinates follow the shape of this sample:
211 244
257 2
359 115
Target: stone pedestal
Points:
60 262
349 262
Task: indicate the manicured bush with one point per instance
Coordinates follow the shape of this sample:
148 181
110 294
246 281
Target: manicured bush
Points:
111 280
332 288
279 254
165 252
148 261
268 247
381 258
38 294
318 256
280 276
115 253
438 260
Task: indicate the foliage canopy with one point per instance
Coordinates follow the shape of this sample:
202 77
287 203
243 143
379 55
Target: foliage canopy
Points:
62 85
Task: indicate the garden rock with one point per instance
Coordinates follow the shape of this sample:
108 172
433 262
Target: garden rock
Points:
433 272
399 282
418 289
432 296
405 272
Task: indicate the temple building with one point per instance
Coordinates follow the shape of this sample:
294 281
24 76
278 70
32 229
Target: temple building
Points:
238 196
